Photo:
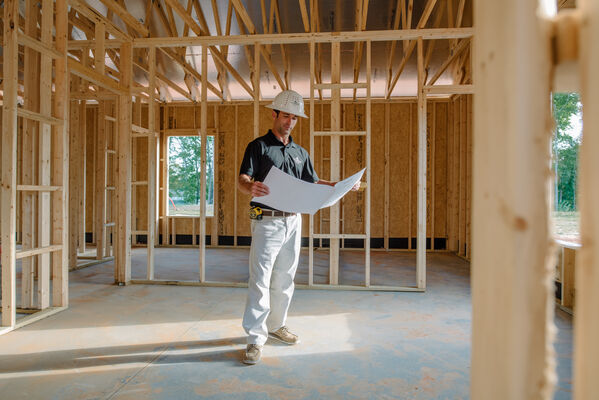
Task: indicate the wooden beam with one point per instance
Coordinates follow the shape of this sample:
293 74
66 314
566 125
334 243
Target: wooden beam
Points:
456 52
204 133
449 89
126 17
216 54
304 11
510 205
287 38
410 46
152 164
91 75
47 149
335 156
84 9
10 49
422 170
123 175
29 161
586 328
190 70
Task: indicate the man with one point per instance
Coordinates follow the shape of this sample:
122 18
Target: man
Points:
276 235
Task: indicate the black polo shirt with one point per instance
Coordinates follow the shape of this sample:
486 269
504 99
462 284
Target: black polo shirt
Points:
264 152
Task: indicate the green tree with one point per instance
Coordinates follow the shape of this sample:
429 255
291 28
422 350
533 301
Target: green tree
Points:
184 169
565 150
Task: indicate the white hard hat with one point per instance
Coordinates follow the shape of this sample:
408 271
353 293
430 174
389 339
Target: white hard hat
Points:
289 101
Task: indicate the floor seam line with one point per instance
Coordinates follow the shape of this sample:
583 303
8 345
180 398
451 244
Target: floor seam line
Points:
161 353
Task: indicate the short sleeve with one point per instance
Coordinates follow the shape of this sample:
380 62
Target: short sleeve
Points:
308 173
251 159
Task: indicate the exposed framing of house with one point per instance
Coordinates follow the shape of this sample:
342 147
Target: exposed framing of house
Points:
44 192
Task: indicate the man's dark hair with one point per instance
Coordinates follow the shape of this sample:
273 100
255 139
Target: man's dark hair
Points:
277 111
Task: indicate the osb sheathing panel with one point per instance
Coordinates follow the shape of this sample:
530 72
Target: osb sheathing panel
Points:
354 158
377 160
440 170
91 124
400 133
227 171
245 134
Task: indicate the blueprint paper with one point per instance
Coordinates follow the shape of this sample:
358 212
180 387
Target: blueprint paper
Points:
342 187
290 194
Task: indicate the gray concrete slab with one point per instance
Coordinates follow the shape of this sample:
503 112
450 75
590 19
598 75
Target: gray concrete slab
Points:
167 342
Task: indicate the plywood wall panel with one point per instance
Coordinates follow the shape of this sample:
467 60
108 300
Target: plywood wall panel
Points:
399 169
377 177
441 173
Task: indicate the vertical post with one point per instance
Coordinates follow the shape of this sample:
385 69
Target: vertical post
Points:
60 161
81 173
368 156
45 156
123 176
204 129
511 257
335 158
256 76
100 181
421 234
10 50
586 325
151 227
311 226
30 134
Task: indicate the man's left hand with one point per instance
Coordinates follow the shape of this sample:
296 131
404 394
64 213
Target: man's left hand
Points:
356 187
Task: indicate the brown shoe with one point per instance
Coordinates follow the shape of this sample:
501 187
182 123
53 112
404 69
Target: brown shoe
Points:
283 335
253 352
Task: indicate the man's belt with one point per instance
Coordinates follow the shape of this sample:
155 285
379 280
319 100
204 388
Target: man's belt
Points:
258 213
273 213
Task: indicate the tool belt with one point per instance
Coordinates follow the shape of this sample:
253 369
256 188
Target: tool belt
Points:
257 213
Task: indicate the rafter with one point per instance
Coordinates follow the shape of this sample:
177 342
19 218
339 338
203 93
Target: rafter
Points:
97 18
216 54
360 24
222 73
283 51
431 43
430 5
399 15
189 69
243 15
456 52
304 11
126 17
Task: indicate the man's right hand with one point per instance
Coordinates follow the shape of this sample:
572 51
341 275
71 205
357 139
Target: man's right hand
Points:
248 186
258 189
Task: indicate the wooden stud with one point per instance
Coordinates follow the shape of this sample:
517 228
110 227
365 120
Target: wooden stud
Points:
586 325
368 163
511 156
335 161
45 156
312 117
387 177
10 49
123 176
256 83
422 172
30 130
152 165
204 132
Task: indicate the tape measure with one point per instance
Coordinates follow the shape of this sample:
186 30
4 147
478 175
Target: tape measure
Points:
256 213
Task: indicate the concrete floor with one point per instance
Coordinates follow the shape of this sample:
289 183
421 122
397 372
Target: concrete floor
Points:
168 342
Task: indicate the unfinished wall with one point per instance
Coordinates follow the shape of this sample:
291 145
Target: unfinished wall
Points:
394 168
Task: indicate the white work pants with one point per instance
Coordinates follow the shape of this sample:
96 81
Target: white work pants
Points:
274 255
